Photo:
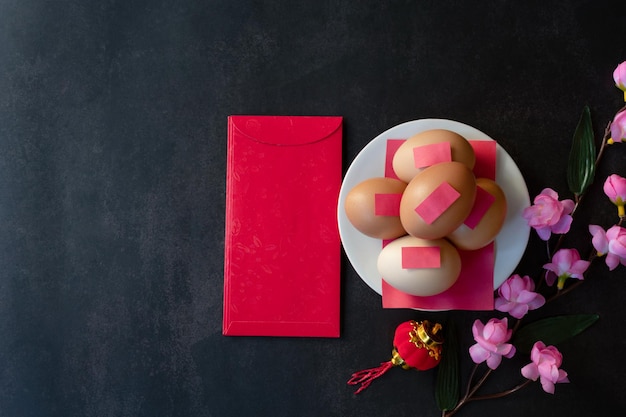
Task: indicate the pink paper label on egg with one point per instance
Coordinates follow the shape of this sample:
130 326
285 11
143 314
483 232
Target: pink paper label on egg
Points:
483 201
387 204
437 202
414 257
434 153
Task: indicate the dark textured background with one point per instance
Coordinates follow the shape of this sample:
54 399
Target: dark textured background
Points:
112 179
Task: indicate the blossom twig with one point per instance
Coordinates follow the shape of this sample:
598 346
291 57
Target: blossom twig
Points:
503 393
547 216
470 391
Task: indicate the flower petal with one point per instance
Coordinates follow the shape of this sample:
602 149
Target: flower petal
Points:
618 248
477 328
478 354
612 261
537 302
599 239
519 310
550 278
526 297
550 193
547 385
563 225
568 206
493 361
544 233
503 305
530 371
578 269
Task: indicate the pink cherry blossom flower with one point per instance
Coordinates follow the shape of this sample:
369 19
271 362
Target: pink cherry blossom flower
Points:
491 343
548 214
566 263
618 127
619 76
611 243
545 364
517 296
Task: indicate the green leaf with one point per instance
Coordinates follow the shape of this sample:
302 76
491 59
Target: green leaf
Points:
552 330
447 385
582 158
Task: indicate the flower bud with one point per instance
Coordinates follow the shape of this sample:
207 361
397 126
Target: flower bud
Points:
619 76
615 189
618 128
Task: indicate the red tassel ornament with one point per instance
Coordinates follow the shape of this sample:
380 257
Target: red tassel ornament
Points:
416 345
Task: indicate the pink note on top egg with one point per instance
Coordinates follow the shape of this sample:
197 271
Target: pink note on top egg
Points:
431 154
437 202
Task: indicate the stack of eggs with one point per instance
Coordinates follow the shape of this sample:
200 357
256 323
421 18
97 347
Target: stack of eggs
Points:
436 208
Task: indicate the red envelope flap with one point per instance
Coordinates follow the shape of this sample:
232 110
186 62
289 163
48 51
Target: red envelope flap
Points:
273 130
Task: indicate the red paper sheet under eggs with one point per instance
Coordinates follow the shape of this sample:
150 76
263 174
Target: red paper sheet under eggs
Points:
473 290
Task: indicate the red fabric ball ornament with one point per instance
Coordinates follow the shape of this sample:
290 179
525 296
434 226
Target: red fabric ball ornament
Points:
416 345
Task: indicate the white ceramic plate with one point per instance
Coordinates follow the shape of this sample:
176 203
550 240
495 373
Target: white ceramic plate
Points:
362 251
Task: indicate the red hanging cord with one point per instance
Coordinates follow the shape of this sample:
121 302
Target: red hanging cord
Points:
366 376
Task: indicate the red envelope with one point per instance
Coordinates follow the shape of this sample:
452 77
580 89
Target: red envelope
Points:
282 247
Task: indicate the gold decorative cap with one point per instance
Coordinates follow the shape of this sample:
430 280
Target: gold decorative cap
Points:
429 334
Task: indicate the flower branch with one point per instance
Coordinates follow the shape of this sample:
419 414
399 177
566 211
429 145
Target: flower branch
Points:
517 295
503 393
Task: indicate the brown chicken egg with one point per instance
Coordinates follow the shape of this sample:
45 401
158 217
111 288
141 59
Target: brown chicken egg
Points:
373 207
486 218
418 266
428 148
438 200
